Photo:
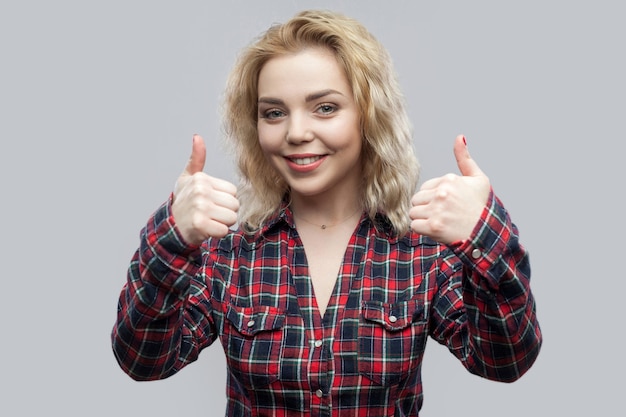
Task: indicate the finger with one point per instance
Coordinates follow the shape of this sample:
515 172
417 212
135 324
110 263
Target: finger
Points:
464 161
431 184
419 212
198 156
226 200
219 184
421 226
422 197
224 216
213 228
218 230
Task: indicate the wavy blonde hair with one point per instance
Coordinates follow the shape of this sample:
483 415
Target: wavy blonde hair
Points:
390 167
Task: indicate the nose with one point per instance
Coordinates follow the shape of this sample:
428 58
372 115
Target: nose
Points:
299 129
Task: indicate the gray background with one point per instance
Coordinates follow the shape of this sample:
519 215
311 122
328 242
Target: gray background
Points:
98 103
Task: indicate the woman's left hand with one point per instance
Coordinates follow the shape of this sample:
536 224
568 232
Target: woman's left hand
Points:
448 208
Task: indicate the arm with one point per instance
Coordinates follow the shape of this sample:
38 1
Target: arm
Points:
485 311
163 318
164 314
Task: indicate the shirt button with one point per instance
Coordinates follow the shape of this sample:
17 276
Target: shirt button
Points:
319 393
476 253
393 319
318 343
251 323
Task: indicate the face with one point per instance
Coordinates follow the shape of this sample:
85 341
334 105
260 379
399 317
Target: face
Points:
308 124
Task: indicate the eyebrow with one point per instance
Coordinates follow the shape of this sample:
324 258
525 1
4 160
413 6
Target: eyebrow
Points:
310 97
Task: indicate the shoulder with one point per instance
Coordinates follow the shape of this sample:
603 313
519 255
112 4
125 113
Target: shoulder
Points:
274 230
384 231
235 240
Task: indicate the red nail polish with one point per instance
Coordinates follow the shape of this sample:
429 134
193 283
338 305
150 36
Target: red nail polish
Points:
464 141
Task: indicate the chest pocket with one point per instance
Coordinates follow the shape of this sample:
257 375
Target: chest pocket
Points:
252 343
392 339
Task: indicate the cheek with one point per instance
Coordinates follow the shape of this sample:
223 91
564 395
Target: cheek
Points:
346 130
269 138
348 138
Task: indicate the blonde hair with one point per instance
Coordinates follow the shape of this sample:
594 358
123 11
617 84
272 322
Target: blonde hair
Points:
390 167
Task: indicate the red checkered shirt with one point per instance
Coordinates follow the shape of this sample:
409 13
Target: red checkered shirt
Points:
363 357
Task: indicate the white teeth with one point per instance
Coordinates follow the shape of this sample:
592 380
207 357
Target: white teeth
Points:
305 161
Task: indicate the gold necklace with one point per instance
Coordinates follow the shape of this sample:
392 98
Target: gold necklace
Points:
326 226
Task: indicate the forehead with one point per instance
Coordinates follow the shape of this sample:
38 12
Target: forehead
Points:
309 69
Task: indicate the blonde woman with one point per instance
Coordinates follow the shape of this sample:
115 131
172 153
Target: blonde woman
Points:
324 296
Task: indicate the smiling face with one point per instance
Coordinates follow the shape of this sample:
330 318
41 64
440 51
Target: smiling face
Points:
308 124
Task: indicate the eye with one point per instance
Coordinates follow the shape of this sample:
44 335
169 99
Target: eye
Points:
326 108
272 114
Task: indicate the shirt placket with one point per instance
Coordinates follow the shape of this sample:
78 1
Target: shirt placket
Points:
321 331
319 367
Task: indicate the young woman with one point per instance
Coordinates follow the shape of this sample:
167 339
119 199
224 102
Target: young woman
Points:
324 296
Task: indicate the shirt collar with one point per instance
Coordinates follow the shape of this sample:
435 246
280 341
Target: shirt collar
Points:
381 224
282 216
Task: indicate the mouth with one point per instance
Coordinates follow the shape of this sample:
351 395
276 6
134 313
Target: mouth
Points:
305 160
304 163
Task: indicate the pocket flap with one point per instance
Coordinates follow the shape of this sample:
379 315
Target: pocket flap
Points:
393 316
252 320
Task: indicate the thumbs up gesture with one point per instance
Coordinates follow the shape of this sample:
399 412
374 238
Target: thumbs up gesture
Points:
203 206
447 208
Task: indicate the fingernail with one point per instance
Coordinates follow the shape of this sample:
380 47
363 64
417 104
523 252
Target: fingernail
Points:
464 141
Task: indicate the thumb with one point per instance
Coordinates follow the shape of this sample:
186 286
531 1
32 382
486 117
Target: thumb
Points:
466 164
198 156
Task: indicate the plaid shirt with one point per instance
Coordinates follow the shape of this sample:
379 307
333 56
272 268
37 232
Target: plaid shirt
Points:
363 357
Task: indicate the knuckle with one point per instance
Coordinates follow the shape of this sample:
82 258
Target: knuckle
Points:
437 225
197 221
441 193
197 206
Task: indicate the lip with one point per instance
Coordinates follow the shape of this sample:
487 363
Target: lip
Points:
304 163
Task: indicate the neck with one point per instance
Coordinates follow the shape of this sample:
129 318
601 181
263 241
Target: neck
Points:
335 204
327 213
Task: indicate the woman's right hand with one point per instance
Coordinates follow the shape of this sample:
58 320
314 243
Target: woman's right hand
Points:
203 206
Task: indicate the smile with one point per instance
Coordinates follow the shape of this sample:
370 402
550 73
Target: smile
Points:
305 161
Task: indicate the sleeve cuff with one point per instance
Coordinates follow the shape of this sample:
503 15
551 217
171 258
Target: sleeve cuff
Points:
171 261
483 250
